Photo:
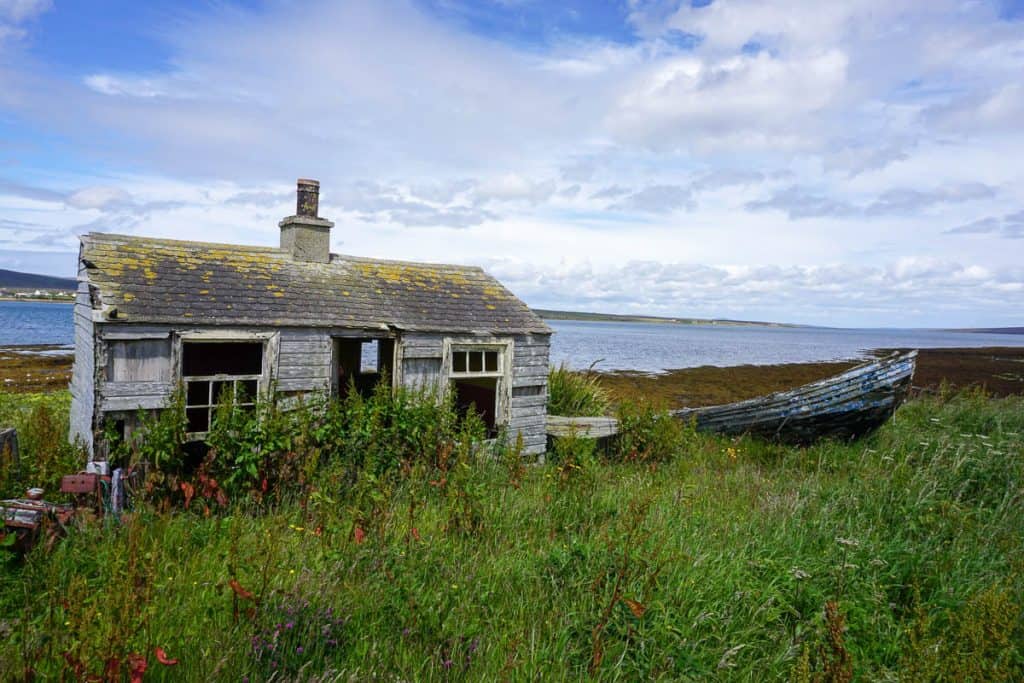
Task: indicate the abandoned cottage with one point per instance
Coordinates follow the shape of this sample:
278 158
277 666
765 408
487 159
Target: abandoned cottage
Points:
240 321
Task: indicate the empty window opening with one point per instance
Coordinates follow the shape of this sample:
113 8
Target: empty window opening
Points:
215 372
361 363
480 395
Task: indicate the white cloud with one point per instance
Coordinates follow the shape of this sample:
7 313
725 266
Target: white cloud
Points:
842 133
745 102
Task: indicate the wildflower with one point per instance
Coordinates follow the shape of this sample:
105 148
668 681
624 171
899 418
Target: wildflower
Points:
299 650
447 664
291 571
799 574
290 625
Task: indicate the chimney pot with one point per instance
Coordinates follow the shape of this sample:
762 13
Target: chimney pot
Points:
308 198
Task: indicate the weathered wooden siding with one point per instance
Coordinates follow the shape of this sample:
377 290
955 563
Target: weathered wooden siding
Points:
83 373
304 360
530 391
420 358
135 368
421 362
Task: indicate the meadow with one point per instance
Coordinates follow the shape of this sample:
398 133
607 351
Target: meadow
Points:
377 539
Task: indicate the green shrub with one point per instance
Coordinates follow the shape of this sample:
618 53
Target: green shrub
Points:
45 455
575 394
648 434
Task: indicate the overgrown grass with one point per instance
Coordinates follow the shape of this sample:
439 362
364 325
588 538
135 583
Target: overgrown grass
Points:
575 394
46 455
896 557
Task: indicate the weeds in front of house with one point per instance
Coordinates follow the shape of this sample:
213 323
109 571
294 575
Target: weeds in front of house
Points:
398 547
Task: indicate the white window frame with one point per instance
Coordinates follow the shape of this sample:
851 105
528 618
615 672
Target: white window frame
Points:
505 348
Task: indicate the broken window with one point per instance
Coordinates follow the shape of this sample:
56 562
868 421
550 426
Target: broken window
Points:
477 374
219 371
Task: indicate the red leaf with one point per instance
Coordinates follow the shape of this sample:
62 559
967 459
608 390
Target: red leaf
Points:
162 657
112 671
360 535
239 591
136 667
222 499
415 533
189 492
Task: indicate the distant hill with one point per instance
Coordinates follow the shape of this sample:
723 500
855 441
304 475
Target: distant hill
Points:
613 317
12 279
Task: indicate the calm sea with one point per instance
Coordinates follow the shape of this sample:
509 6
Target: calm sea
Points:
648 347
32 322
653 347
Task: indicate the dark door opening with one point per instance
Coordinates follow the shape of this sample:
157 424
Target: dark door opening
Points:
362 363
479 394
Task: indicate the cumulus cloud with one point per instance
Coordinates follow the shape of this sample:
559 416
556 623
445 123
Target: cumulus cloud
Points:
15 13
912 290
751 117
657 199
799 203
1009 226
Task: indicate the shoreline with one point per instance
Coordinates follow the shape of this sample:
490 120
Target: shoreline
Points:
999 369
30 368
23 300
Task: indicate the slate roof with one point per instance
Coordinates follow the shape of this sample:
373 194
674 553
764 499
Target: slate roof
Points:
169 281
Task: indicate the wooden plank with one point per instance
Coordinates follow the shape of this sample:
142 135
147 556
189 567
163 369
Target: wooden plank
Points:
304 372
132 403
523 402
128 389
303 348
303 384
589 427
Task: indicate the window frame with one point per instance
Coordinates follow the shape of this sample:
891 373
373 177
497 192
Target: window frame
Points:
269 341
505 347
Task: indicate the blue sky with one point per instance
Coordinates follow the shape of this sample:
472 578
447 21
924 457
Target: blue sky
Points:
850 164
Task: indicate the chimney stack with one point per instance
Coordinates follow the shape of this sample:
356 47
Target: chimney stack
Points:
306 236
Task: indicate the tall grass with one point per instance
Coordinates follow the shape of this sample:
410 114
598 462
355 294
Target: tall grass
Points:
45 454
575 394
898 556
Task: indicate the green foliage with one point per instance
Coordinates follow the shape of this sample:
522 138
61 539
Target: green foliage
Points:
648 434
895 557
575 394
45 453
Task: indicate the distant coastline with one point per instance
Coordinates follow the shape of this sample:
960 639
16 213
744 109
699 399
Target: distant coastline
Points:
37 300
548 314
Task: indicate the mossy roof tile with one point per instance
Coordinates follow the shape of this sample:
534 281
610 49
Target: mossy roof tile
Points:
158 281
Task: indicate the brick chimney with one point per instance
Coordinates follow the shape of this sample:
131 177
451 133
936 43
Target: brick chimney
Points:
306 236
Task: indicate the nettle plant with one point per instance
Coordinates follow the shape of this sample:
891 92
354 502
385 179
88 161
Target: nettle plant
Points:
315 447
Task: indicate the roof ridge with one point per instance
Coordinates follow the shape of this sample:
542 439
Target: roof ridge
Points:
104 236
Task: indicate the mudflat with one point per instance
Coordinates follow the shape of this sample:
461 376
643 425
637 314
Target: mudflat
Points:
1000 370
